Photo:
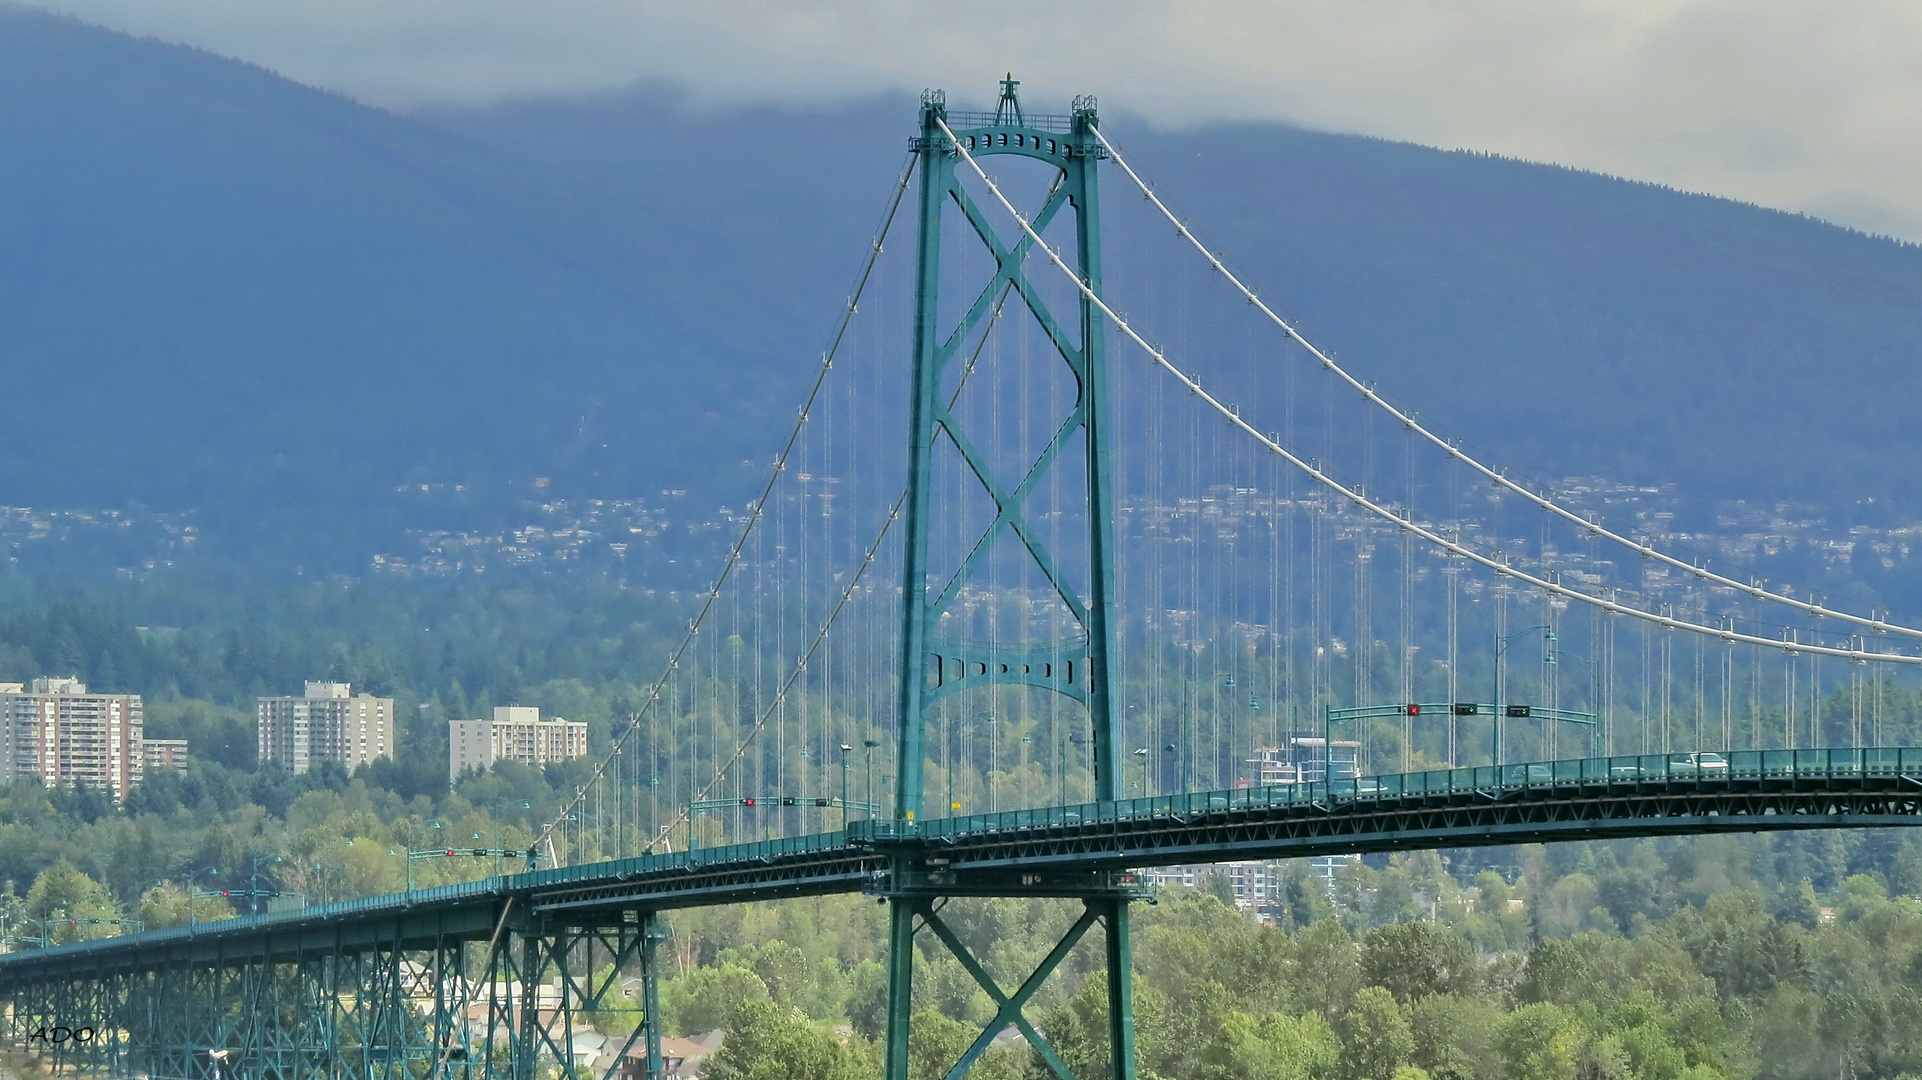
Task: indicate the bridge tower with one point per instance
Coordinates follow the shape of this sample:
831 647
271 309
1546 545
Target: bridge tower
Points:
937 661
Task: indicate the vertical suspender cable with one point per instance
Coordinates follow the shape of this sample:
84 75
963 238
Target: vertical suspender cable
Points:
1493 475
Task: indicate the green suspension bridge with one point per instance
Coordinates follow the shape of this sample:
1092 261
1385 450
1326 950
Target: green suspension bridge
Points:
490 979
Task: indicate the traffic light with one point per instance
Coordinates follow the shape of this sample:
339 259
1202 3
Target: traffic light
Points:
1517 712
747 802
1466 708
1414 710
822 802
788 800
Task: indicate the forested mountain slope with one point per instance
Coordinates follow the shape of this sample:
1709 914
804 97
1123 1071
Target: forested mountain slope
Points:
223 290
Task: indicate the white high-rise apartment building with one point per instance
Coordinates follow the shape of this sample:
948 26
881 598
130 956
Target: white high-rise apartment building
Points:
57 731
327 723
516 733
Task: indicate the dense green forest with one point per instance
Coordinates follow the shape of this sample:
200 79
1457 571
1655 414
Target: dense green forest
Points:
1697 959
1746 956
582 648
499 303
1783 956
1686 959
537 290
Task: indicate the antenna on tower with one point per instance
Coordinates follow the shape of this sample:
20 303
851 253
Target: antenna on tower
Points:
1008 109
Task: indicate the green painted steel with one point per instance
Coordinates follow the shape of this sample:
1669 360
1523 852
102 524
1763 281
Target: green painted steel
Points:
467 1005
436 983
1612 796
937 665
934 665
489 980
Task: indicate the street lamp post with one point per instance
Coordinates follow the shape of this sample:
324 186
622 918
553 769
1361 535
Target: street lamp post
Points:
1227 684
521 804
1594 692
497 846
846 766
1501 669
994 762
1141 755
1061 798
870 745
193 916
410 852
253 879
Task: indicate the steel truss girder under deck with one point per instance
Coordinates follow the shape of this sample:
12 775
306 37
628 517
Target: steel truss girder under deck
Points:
1247 823
464 1007
438 988
1459 819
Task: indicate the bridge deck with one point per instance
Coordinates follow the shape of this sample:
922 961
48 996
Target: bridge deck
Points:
1569 799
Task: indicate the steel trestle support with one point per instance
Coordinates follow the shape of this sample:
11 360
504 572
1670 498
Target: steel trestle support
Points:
463 1006
918 907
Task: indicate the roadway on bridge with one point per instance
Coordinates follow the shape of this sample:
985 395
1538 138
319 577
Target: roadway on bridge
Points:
1060 849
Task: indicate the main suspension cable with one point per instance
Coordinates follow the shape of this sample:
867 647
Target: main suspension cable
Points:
827 624
1233 416
753 517
1494 476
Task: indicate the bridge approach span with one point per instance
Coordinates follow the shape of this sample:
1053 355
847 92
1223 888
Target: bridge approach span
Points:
1055 849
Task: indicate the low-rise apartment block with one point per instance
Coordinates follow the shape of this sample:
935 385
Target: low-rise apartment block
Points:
55 730
516 733
327 723
1257 885
164 754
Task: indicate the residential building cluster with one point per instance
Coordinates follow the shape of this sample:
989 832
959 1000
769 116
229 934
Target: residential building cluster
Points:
55 730
164 754
608 534
1257 886
516 733
329 722
138 542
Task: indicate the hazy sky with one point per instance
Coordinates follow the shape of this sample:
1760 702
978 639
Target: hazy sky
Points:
1789 103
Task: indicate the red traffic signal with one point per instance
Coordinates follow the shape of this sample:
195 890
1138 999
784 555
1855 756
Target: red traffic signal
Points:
747 802
450 853
1414 710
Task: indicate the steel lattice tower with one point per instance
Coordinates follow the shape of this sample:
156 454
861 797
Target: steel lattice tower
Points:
935 665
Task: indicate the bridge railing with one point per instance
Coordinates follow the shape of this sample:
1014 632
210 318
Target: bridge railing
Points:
688 859
1631 769
1626 771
